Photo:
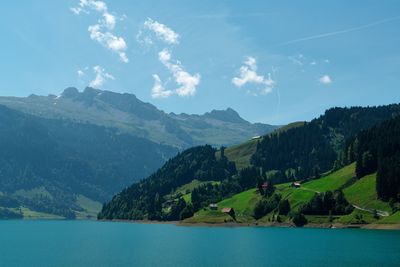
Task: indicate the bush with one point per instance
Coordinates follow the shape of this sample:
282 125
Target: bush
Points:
266 205
328 203
187 212
284 207
299 219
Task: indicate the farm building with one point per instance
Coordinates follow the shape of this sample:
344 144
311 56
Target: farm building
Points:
296 184
213 206
229 211
265 185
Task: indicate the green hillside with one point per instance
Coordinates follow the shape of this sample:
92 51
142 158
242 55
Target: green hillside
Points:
85 208
290 126
286 176
363 194
331 182
243 204
241 154
47 163
358 192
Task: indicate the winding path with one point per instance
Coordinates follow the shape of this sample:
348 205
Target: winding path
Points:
379 212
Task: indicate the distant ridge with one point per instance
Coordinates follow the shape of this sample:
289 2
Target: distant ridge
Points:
127 113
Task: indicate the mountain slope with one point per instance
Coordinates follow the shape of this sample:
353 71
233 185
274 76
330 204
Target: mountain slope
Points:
130 115
313 148
301 148
147 199
45 164
63 155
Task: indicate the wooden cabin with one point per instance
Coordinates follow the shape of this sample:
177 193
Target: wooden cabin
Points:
296 184
213 206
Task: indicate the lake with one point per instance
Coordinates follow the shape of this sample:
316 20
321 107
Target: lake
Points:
91 243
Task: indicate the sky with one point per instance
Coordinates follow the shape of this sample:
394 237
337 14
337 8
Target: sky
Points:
272 61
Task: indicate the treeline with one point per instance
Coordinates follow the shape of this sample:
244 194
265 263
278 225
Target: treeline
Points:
298 152
313 148
327 203
6 214
378 150
209 193
337 138
151 198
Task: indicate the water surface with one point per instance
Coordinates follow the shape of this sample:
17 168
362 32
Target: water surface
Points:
90 243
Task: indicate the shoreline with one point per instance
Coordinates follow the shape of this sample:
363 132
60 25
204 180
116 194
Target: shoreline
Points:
236 224
280 225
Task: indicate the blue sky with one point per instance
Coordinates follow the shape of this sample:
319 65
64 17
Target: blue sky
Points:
272 61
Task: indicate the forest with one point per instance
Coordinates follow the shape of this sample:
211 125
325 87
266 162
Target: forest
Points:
367 136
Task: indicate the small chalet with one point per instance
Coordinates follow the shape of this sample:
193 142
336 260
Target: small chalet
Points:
213 206
229 211
296 184
265 185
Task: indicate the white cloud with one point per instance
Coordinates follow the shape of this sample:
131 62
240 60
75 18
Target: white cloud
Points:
313 63
161 31
158 90
99 6
248 74
101 77
186 81
102 30
109 40
325 79
80 73
109 20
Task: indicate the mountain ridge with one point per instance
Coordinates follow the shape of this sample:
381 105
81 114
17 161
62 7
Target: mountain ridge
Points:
129 114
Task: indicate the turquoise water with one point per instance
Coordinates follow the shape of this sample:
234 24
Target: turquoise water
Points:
90 243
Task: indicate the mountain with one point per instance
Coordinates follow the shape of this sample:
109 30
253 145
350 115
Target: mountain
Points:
186 185
47 164
64 155
128 114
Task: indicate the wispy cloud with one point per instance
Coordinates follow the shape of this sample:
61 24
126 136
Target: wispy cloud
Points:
158 90
187 82
329 34
161 31
298 59
248 75
102 30
101 77
228 15
80 73
325 79
154 31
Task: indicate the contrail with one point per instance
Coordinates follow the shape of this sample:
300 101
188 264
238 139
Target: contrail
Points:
277 90
323 35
